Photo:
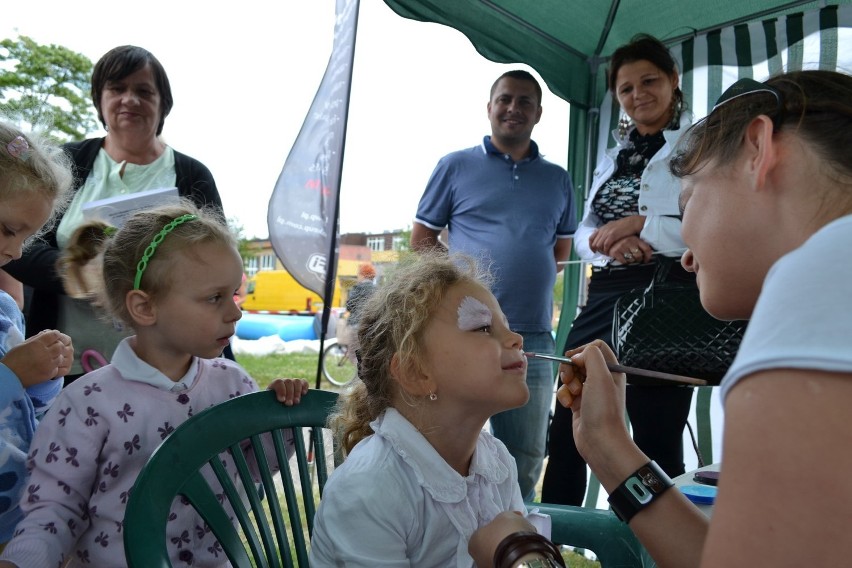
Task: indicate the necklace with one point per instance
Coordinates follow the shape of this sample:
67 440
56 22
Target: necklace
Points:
638 151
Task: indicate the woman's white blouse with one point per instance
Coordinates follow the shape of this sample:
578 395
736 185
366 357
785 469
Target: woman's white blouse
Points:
658 199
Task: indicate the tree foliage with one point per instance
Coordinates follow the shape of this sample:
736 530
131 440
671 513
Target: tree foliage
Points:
46 85
404 242
243 244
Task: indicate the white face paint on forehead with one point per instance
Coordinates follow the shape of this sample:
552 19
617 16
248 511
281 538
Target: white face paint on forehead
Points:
473 314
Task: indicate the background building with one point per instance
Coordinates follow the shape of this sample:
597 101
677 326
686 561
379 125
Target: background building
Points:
380 249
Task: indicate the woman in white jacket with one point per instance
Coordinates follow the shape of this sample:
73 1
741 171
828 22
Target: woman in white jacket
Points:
631 217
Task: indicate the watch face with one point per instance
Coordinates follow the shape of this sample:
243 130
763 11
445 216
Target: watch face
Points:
650 480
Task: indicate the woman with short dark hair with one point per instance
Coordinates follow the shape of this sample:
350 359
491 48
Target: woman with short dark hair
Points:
133 97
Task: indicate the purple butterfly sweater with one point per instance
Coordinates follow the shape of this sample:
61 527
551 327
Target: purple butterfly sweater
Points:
84 459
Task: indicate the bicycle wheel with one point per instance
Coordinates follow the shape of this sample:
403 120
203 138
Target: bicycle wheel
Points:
337 367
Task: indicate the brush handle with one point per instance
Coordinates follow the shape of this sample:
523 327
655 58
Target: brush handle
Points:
631 370
655 374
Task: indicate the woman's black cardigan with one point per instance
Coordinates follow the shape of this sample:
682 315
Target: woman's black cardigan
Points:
37 267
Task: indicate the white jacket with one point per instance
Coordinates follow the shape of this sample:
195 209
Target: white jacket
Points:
658 199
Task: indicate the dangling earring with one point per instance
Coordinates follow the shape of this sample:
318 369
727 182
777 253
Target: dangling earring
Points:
677 109
432 396
624 124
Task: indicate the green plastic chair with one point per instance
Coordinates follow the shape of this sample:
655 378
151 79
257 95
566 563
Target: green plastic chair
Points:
597 530
175 467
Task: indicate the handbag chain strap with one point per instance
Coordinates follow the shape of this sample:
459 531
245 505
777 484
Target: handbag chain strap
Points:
663 268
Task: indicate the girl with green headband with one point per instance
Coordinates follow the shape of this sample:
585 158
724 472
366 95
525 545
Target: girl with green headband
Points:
169 274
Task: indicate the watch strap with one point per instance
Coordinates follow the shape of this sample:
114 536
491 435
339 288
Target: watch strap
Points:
639 490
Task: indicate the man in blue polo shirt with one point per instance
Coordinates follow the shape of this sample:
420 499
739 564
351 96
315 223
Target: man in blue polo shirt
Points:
513 210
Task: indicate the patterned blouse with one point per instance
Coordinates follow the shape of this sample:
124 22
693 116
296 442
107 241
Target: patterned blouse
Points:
618 197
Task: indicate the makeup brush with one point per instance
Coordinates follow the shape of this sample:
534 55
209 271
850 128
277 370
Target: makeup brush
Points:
622 369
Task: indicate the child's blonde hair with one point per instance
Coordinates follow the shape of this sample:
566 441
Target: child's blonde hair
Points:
120 252
392 322
32 164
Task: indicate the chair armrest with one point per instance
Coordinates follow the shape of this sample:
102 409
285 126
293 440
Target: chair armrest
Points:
597 530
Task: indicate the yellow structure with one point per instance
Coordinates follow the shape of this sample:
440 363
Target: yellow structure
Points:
276 291
270 288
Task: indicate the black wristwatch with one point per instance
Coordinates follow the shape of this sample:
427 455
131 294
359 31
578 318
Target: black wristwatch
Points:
639 490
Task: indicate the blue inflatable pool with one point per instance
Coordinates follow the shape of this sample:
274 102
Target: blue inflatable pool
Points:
287 327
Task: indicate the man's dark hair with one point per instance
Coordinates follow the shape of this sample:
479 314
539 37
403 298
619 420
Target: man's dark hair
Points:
519 75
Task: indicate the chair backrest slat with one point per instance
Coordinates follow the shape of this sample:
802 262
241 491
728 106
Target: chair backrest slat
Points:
224 462
197 491
256 530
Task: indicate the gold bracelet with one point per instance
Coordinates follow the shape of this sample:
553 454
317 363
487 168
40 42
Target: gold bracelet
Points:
539 563
517 545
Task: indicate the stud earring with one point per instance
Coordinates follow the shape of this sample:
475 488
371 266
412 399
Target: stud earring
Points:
433 397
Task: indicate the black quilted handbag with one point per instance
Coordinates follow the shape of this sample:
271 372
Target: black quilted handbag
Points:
665 328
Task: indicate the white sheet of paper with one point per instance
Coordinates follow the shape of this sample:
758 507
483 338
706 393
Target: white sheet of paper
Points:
114 210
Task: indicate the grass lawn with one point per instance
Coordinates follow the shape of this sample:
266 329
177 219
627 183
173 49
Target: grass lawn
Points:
265 368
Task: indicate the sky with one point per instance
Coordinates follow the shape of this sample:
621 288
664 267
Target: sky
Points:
243 75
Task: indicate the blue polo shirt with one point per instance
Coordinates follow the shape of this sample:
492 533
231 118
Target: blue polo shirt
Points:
507 215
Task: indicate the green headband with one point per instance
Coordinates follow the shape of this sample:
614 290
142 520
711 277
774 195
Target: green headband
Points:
155 242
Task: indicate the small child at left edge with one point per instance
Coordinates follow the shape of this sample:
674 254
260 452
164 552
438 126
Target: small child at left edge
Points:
35 179
172 272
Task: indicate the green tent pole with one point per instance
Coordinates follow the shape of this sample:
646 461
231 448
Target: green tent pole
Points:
572 273
582 140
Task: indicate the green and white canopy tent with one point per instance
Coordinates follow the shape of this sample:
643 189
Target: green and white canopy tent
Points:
716 42
568 42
